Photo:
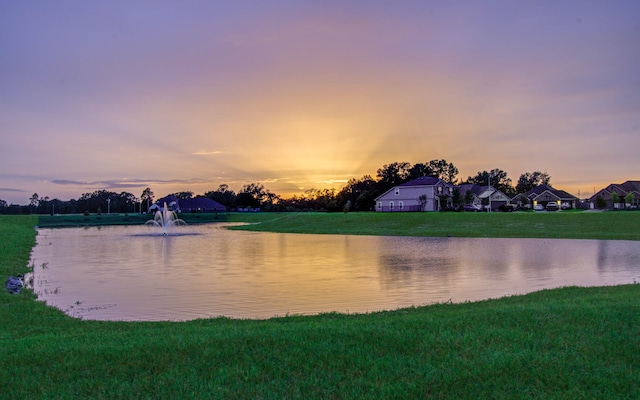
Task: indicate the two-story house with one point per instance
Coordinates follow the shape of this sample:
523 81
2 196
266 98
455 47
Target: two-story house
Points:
423 194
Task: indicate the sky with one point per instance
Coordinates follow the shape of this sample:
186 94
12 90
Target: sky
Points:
189 95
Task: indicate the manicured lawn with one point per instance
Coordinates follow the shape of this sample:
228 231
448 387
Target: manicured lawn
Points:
614 225
578 225
562 343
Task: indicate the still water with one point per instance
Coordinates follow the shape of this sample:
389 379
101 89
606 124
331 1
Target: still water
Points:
128 273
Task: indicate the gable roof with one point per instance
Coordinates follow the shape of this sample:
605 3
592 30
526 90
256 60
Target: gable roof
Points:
538 190
200 203
476 189
424 181
631 186
621 189
195 203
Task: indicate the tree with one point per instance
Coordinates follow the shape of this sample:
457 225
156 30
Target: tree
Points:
147 197
422 199
223 195
361 193
601 203
629 199
124 202
254 195
33 202
98 199
499 180
528 181
615 199
182 195
443 170
419 170
393 174
468 197
457 199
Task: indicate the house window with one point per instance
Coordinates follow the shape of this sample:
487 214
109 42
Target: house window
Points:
400 205
397 191
391 205
379 205
450 190
439 189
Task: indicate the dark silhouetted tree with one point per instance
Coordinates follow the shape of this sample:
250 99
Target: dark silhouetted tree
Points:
529 180
499 180
147 198
223 195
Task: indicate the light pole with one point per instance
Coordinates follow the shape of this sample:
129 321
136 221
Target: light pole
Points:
108 206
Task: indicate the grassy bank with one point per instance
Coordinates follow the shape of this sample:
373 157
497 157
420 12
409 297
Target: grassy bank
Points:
563 343
72 220
571 225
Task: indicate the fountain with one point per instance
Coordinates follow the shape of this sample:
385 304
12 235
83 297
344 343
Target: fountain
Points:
165 219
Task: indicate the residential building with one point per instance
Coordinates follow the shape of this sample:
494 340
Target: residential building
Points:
482 196
423 194
545 194
627 195
192 205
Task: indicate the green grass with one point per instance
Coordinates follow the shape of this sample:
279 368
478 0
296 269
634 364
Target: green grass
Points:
72 220
562 343
614 225
573 225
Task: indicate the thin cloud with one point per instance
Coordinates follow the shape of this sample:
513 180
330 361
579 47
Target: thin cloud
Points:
208 153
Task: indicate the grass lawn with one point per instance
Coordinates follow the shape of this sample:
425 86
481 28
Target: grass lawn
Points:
572 225
614 225
561 343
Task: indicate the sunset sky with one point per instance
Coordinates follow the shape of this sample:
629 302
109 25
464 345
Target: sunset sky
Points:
188 95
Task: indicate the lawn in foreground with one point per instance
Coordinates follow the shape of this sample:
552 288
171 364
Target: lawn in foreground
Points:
564 343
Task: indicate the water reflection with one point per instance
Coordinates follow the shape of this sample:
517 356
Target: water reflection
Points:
122 273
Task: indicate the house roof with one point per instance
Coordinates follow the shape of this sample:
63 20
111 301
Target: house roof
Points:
622 189
631 186
194 203
423 181
478 190
538 190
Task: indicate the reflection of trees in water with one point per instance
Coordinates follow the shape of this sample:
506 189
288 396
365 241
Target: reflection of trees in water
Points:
406 263
614 255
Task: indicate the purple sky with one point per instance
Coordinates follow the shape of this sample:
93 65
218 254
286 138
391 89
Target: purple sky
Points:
174 95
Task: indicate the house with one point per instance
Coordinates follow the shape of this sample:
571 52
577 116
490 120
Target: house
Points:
423 194
628 195
545 194
480 195
192 205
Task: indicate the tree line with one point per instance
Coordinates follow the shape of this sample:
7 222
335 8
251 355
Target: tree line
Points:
358 194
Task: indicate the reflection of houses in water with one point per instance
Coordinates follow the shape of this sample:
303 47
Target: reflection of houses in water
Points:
616 255
406 262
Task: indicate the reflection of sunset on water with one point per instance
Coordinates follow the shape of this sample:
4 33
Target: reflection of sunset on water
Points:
126 273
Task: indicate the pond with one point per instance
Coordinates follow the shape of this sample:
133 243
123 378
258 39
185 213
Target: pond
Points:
128 273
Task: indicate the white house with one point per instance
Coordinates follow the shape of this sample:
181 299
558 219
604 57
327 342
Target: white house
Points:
422 194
